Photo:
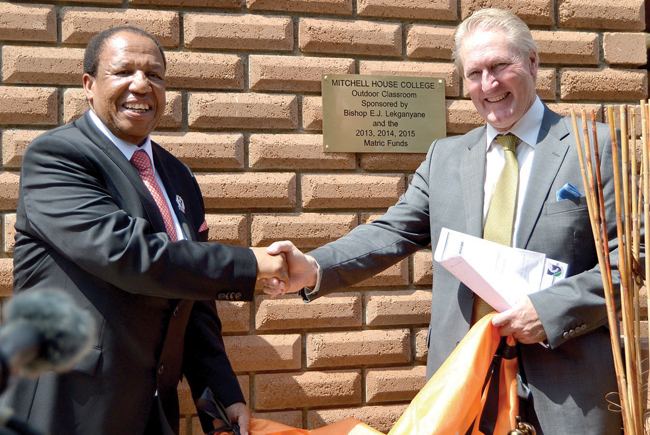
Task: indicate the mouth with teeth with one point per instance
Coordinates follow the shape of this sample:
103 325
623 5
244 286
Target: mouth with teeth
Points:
137 107
497 99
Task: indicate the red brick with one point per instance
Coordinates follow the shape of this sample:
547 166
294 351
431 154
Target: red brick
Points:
546 83
8 190
462 116
625 48
295 151
78 25
75 104
14 143
444 10
446 71
28 105
381 418
306 230
421 350
291 313
351 191
250 353
107 2
393 385
531 11
293 73
185 401
430 42
238 32
349 37
8 232
300 390
290 418
228 229
395 275
41 65
566 47
312 113
21 22
391 161
235 315
398 307
603 84
221 4
188 70
242 111
338 7
422 268
602 14
6 276
367 348
205 150
249 190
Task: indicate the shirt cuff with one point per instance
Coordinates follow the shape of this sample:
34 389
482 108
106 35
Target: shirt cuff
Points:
309 294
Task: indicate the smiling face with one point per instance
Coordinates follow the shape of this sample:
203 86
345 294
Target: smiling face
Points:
500 82
128 91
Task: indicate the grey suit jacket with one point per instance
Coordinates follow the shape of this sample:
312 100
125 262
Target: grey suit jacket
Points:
569 381
87 224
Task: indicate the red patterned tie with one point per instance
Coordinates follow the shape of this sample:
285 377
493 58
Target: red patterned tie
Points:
142 163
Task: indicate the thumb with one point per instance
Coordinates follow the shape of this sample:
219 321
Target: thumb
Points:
500 319
276 248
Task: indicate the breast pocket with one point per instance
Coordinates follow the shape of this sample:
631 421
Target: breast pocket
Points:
565 206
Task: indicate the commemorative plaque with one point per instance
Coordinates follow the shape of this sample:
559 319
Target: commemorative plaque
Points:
389 114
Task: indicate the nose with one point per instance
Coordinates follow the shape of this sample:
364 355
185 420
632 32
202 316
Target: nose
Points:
140 83
488 81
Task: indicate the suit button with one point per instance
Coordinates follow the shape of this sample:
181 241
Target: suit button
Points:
221 296
238 296
572 332
161 369
565 334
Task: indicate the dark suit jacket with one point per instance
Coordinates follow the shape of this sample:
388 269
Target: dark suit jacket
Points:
570 380
87 224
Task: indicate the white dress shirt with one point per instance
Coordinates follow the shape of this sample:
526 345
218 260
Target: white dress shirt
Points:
527 130
128 150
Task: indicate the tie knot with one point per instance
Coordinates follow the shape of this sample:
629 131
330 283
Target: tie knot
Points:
140 159
508 141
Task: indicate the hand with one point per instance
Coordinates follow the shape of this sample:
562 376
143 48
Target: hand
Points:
522 322
272 270
303 269
240 414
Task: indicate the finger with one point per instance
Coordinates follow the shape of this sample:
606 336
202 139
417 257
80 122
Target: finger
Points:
243 423
500 319
282 246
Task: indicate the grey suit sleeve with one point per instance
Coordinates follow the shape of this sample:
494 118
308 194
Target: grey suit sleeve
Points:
69 206
371 248
576 305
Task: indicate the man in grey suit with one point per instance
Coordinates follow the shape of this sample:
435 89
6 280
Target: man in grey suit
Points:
565 345
111 218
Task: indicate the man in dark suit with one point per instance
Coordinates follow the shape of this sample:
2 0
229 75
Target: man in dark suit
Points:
117 222
456 187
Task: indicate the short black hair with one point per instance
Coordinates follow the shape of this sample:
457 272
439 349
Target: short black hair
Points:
97 42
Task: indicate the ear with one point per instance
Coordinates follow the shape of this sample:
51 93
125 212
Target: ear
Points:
533 60
88 83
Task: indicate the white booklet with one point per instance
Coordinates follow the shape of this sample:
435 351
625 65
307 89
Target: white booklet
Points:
499 274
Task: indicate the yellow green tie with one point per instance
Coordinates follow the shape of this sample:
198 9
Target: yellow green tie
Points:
501 214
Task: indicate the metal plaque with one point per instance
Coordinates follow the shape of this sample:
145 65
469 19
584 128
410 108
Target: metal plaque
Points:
389 114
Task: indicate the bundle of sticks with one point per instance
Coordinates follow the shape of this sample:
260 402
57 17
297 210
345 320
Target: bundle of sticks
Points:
632 201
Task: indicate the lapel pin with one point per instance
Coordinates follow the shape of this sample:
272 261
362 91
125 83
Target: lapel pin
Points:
180 203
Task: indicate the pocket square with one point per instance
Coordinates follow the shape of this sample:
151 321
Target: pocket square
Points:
568 191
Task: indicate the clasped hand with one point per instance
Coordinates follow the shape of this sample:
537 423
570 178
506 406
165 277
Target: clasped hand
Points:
283 268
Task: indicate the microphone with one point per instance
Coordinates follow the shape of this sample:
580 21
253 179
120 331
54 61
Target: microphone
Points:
43 330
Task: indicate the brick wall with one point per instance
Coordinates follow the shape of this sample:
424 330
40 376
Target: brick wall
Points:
244 111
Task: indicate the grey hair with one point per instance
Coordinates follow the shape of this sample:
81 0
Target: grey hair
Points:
516 31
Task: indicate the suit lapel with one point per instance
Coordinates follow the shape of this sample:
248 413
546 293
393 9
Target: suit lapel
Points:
170 182
472 178
549 154
153 215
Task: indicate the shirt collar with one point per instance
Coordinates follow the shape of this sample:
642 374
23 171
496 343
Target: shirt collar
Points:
125 147
526 129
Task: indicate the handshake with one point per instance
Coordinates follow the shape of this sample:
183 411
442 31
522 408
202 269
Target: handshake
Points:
283 268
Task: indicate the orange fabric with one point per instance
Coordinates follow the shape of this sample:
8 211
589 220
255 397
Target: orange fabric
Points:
349 426
453 398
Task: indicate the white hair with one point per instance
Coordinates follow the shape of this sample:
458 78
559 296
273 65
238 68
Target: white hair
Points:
515 30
